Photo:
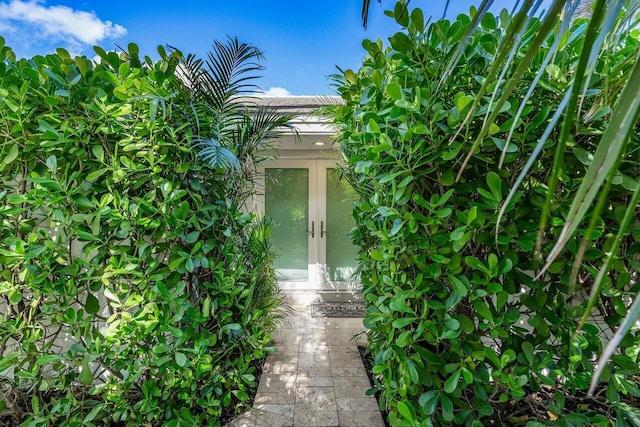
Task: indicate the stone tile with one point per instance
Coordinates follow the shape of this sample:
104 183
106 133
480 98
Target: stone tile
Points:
357 404
315 398
312 338
286 410
351 382
289 339
314 359
344 362
313 322
351 391
308 344
345 322
275 383
248 419
343 349
335 339
349 338
315 381
358 371
313 346
345 356
281 363
271 419
316 377
284 350
327 418
280 368
360 419
319 353
282 398
294 322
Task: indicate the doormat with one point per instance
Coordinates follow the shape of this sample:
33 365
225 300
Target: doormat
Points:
338 309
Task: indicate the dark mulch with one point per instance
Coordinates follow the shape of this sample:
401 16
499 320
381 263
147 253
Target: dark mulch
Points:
23 403
367 359
535 406
232 412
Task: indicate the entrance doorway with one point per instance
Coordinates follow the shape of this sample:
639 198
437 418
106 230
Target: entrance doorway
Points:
311 211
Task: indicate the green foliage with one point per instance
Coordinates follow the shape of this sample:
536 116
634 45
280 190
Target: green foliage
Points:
134 289
460 331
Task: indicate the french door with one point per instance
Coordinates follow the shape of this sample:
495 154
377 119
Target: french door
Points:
311 211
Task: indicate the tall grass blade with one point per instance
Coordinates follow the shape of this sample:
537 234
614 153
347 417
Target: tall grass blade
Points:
546 27
534 84
595 216
516 26
632 315
609 149
597 284
570 118
453 63
532 158
613 10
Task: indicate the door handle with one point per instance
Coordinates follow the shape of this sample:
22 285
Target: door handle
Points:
323 232
313 228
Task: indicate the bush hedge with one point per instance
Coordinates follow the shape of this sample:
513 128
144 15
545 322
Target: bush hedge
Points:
460 331
135 290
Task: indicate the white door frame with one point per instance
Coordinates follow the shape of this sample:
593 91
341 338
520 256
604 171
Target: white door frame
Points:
312 221
317 222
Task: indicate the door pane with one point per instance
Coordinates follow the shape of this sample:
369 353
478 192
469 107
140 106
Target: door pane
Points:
341 253
287 203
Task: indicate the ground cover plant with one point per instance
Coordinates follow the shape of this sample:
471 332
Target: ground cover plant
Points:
134 287
461 330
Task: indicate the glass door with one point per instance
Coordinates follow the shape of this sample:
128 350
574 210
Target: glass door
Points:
289 200
311 212
337 254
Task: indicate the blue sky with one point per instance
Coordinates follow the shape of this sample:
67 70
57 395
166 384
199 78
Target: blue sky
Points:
303 41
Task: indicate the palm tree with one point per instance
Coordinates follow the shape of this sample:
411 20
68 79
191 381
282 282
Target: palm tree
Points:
234 131
232 128
604 27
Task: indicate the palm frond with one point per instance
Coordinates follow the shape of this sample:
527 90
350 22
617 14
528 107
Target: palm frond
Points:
546 27
457 55
534 84
365 12
226 78
611 147
216 155
232 68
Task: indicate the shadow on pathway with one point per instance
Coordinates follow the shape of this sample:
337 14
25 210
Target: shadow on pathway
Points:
316 378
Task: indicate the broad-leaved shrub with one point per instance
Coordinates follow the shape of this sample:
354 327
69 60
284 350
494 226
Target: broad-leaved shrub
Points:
460 331
134 290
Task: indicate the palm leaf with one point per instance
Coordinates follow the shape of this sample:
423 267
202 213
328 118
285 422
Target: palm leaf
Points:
570 118
547 25
216 155
534 84
455 59
365 12
506 52
610 148
226 78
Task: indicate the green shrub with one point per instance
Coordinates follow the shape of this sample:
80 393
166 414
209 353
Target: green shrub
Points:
460 331
135 290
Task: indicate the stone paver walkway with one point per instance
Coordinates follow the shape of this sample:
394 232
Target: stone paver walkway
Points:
316 378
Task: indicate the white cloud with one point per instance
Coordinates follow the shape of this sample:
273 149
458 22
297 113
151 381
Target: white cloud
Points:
277 91
76 28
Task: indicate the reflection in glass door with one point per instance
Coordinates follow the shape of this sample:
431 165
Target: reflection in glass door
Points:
338 254
287 204
311 212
